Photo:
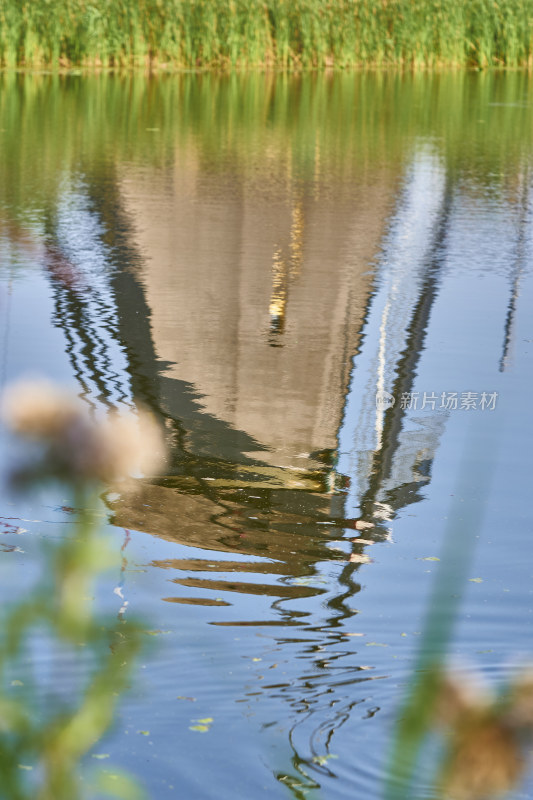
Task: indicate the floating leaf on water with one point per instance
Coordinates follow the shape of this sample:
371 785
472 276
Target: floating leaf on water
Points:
354 634
476 580
100 755
144 733
429 558
257 659
376 644
24 766
199 728
204 720
16 683
310 580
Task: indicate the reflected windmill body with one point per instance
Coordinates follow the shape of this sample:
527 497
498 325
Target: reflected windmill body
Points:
257 441
253 428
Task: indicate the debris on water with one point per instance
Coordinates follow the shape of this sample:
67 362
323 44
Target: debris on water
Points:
321 760
202 725
355 558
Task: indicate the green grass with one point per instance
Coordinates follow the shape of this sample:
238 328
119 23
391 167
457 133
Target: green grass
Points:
185 34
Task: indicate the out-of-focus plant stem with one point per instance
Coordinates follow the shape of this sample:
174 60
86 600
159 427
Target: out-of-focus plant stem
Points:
464 523
61 604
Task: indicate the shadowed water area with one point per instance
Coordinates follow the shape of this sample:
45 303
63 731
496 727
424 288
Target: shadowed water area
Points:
255 259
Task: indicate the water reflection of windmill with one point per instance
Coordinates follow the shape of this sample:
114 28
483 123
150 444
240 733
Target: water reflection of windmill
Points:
121 313
240 494
251 511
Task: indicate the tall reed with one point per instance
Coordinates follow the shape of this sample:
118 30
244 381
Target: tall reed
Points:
266 33
485 737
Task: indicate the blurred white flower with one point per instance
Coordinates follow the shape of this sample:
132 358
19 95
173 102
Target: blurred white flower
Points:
74 446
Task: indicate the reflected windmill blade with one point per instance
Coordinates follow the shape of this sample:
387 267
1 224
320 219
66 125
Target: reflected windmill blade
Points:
518 269
508 329
407 362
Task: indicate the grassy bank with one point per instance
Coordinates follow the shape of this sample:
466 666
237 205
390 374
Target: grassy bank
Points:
273 33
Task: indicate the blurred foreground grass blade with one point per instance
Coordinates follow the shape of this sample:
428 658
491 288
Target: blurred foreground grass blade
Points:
464 523
46 730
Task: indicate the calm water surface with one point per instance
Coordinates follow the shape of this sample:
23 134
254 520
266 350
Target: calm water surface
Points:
254 259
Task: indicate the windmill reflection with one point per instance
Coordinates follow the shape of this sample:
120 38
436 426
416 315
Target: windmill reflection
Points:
261 438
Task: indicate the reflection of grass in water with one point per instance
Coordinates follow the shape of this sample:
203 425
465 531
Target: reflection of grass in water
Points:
302 33
264 128
47 729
